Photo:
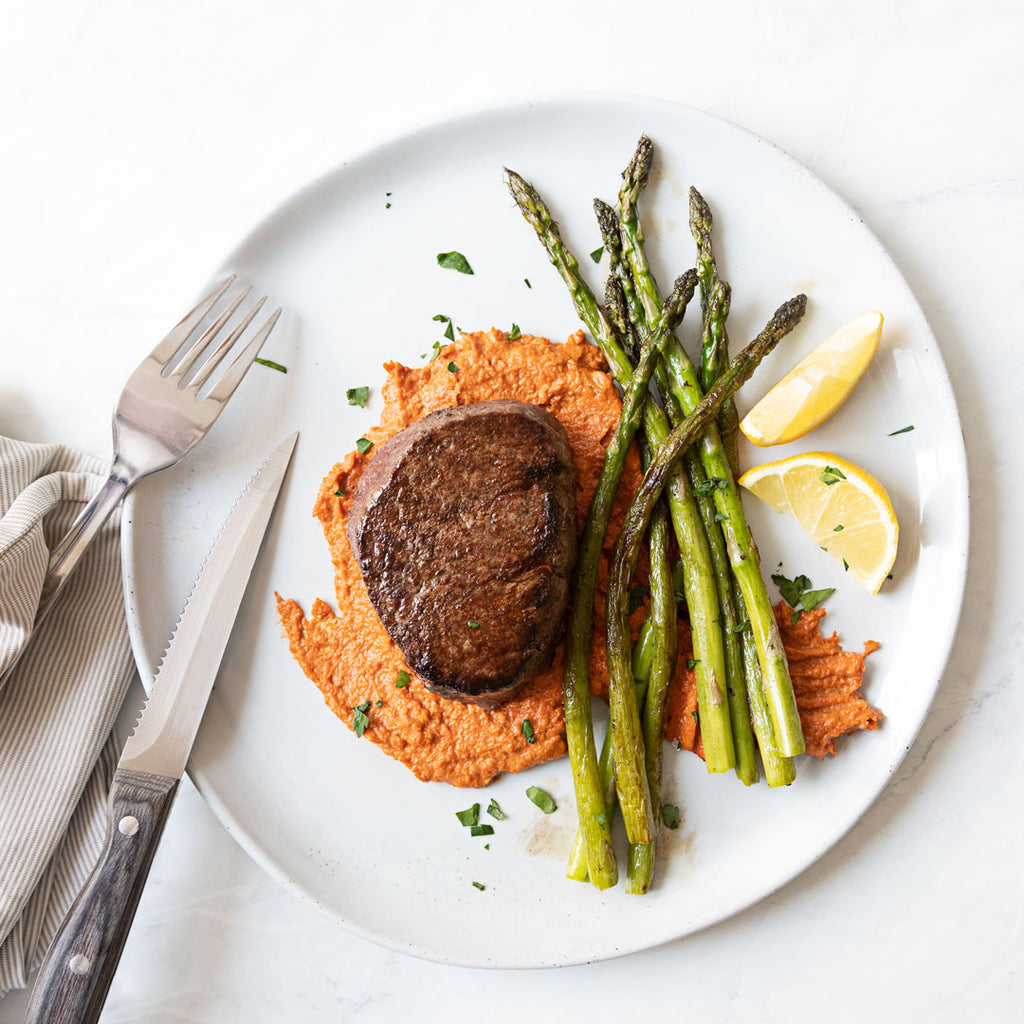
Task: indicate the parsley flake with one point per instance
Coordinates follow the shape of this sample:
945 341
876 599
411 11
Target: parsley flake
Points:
515 333
692 663
670 816
481 830
479 885
403 680
358 396
360 719
363 445
470 816
902 430
830 475
473 624
340 492
838 528
527 730
452 368
709 486
721 517
454 261
542 799
495 811
739 627
526 281
271 364
797 593
597 254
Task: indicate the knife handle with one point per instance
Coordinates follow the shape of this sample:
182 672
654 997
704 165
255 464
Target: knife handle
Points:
80 964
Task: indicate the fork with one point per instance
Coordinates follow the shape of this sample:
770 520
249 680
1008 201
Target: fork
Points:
161 415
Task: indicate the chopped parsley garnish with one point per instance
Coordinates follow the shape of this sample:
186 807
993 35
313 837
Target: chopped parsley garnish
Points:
470 816
363 445
740 626
542 799
526 281
601 818
709 486
340 492
846 565
597 254
527 730
358 396
812 598
692 663
797 593
473 624
449 331
403 680
670 816
454 261
387 206
902 430
271 364
452 368
830 475
481 830
515 332
360 719
696 717
495 811
837 528
479 885
636 596
721 517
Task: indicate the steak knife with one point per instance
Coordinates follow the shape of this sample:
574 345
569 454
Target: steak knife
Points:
79 966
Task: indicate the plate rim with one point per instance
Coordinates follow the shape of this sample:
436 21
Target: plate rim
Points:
959 520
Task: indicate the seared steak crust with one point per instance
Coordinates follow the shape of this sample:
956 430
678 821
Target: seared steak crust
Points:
464 525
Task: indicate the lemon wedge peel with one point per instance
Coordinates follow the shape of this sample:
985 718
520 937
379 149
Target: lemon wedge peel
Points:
851 518
817 386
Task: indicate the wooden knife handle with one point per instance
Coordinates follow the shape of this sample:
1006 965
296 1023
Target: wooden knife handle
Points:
79 966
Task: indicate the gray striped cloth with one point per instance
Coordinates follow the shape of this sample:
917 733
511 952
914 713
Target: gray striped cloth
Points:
57 755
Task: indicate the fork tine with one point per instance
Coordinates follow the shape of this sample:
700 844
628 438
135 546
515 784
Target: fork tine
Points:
180 332
225 387
203 375
188 360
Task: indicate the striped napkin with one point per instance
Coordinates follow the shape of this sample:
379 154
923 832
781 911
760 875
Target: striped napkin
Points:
57 755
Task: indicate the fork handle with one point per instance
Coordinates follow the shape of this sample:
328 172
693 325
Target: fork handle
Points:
84 530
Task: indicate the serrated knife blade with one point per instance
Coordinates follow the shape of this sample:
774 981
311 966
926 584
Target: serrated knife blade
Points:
79 966
170 718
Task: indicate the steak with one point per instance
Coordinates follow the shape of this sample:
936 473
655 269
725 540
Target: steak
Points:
464 525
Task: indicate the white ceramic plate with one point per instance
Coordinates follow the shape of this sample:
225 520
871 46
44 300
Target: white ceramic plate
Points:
333 818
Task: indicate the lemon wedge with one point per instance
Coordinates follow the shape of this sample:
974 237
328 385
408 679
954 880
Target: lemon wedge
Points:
816 386
843 507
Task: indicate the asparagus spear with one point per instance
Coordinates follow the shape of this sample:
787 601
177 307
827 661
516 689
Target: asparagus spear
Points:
712 569
627 744
662 613
578 721
705 563
715 301
740 546
580 623
643 655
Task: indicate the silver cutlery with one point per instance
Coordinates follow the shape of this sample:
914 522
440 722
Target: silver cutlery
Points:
80 964
164 410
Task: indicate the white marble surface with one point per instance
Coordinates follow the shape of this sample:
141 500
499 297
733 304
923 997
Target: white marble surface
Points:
140 141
